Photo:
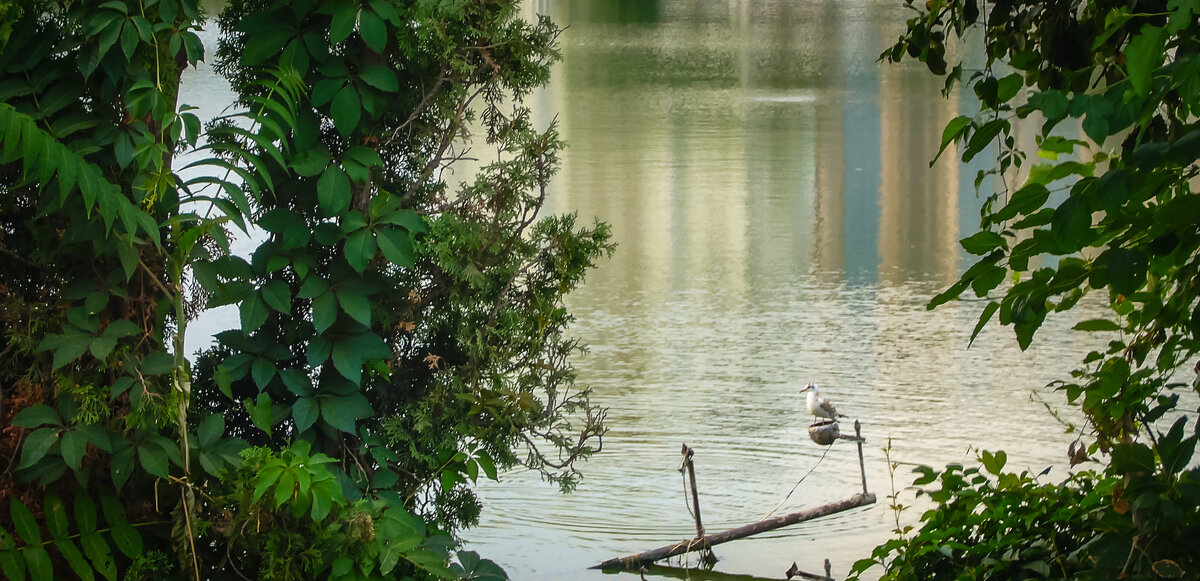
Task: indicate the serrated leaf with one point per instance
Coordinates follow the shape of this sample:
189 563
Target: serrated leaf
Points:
153 460
253 313
278 296
305 412
342 412
296 382
356 305
210 430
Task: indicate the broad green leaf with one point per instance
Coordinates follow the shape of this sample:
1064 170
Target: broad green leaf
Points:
12 563
314 286
348 361
153 460
23 521
35 416
1143 55
296 382
984 317
983 242
85 512
360 249
158 363
1132 457
305 412
373 30
325 310
74 559
123 534
38 562
260 412
1051 103
72 446
953 130
342 412
356 305
396 246
278 296
346 110
253 313
312 161
121 328
1126 269
1008 86
994 463
98 551
102 347
210 430
380 77
1097 325
36 445
1072 224
343 22
333 191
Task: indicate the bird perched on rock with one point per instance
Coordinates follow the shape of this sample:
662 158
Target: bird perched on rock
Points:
818 406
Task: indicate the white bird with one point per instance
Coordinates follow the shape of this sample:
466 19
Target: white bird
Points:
819 406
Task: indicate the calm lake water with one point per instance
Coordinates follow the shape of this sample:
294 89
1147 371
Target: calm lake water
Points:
778 223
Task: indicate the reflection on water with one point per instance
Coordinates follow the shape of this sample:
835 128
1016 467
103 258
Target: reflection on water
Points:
778 223
777 220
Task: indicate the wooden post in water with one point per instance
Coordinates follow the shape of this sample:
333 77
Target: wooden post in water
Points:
862 466
688 453
686 545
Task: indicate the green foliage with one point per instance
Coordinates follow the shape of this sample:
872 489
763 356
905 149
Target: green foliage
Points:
395 338
1114 211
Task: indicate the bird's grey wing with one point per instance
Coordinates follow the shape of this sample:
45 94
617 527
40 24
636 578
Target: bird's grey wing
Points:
829 409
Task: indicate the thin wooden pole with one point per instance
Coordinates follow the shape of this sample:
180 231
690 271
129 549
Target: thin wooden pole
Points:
635 561
862 466
688 453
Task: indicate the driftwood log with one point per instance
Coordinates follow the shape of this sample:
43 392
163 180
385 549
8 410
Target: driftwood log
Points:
633 562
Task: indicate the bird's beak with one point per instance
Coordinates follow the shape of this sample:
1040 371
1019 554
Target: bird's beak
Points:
806 388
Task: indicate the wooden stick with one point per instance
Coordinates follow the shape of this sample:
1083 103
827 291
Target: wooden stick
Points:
632 562
862 466
691 470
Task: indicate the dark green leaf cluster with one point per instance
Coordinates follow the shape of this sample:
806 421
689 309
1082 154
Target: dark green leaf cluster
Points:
412 332
1111 208
395 337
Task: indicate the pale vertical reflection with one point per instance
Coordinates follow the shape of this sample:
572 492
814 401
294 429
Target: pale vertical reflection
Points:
918 224
828 248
